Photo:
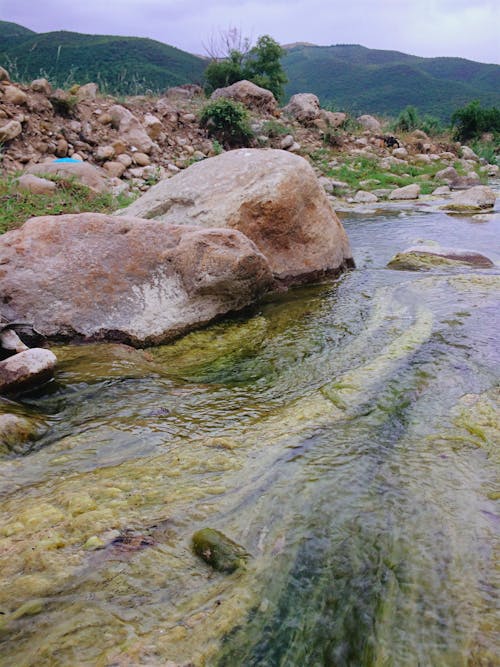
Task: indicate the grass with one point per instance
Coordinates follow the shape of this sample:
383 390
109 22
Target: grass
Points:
68 197
352 170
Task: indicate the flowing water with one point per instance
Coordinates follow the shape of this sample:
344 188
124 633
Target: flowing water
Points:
346 435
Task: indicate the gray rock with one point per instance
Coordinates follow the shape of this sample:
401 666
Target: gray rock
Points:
26 370
85 173
303 107
408 192
369 123
362 197
477 198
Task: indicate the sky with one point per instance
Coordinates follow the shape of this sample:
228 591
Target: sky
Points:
464 28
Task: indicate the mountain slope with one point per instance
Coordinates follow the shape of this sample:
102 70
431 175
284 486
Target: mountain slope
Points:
348 76
128 65
363 80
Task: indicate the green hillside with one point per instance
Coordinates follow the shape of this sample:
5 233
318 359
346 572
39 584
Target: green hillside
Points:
362 80
348 76
120 65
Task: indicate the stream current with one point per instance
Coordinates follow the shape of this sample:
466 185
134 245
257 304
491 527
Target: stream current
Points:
345 434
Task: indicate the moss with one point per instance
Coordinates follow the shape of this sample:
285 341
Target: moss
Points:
219 551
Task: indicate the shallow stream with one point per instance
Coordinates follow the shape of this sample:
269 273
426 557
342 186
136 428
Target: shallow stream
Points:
346 435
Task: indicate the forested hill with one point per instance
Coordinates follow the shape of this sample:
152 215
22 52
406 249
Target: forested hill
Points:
349 77
120 65
358 79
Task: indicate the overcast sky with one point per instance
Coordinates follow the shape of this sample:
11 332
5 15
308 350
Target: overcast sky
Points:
465 28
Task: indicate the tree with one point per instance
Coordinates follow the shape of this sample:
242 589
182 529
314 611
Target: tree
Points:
260 64
471 121
264 65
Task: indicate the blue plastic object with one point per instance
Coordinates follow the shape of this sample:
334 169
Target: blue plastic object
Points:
67 159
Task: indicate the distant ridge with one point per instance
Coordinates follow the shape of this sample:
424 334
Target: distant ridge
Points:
348 77
120 65
357 79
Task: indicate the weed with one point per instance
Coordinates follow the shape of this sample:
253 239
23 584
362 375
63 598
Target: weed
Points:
228 122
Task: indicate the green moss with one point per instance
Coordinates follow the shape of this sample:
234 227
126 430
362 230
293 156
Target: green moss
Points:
219 551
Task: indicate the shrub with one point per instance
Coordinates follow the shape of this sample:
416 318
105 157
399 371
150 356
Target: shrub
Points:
228 122
472 121
407 120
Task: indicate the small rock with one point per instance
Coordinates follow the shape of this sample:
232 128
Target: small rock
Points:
125 159
26 369
16 430
87 92
449 174
10 131
219 551
153 126
142 159
35 185
62 148
14 95
408 192
362 197
287 142
114 168
369 123
105 153
4 75
443 190
400 152
468 154
41 86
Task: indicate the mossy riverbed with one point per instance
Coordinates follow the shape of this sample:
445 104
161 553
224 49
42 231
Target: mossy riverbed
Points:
344 436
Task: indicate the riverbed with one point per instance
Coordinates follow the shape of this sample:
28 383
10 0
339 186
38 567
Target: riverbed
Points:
344 434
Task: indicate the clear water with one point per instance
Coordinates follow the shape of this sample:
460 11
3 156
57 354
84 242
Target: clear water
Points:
345 434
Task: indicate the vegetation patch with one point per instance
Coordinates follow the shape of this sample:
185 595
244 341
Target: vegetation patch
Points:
69 197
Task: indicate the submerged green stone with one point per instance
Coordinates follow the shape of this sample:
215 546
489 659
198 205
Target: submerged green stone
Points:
219 551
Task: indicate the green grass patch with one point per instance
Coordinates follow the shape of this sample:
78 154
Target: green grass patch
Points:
68 197
355 169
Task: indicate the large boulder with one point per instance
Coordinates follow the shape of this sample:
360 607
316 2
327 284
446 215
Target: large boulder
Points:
303 107
96 277
474 199
271 196
252 96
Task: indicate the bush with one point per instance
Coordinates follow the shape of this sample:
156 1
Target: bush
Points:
472 121
407 120
228 122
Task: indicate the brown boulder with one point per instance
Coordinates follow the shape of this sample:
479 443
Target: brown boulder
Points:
252 96
41 86
14 95
271 196
130 128
138 281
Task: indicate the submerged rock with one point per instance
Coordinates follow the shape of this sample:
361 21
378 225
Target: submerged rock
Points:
15 430
271 196
124 279
219 551
424 258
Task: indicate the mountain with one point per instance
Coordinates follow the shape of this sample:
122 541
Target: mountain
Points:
348 77
361 80
120 65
